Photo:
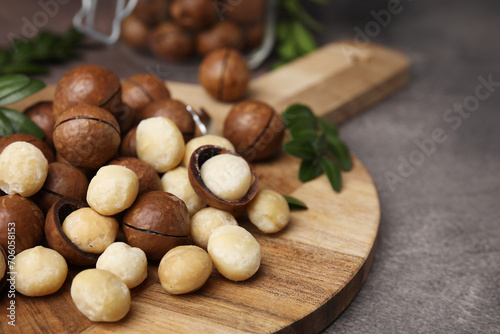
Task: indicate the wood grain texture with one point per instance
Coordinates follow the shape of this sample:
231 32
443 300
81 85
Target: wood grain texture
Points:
310 271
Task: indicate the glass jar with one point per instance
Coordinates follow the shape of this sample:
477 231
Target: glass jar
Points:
171 37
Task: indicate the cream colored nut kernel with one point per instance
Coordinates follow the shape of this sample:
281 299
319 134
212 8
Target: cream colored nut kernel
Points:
194 143
227 176
128 263
269 211
160 143
205 221
234 252
112 190
184 269
39 271
100 295
176 181
90 231
23 169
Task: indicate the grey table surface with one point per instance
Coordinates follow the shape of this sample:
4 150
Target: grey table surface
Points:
433 150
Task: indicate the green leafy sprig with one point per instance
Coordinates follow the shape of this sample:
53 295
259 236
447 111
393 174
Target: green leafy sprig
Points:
316 141
295 29
294 203
13 88
33 56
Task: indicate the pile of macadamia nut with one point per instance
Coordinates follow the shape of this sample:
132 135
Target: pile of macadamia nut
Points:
123 177
175 30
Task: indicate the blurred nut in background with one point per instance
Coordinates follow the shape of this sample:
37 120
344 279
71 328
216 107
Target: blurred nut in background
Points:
245 11
224 74
169 41
135 32
222 35
194 14
151 12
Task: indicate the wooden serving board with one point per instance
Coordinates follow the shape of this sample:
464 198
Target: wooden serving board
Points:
311 270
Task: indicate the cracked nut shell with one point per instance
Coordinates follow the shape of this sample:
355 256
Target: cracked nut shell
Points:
198 158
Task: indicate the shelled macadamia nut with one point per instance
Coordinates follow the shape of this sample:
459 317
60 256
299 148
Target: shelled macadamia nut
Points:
100 295
269 211
184 269
197 142
19 216
176 181
159 143
23 169
234 252
112 190
141 89
227 176
37 142
90 231
205 221
39 271
175 111
128 263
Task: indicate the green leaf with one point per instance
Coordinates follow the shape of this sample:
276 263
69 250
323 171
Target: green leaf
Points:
283 30
332 173
294 203
309 21
297 111
298 124
4 56
328 127
300 148
9 83
340 152
303 38
320 145
298 132
25 68
309 170
5 126
21 123
288 50
32 87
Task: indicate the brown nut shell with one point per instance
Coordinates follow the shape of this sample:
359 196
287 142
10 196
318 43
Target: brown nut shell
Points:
225 34
88 84
194 14
224 74
157 222
87 136
40 144
135 32
198 158
128 146
174 110
143 88
171 42
42 115
63 180
149 180
246 11
22 217
151 12
3 258
56 237
255 129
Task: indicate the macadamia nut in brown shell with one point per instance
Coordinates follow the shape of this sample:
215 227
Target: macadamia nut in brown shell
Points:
157 222
255 129
149 180
87 136
225 34
224 74
88 84
169 41
193 14
143 88
41 114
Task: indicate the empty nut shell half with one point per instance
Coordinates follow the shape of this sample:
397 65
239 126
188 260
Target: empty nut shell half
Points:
56 237
198 158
